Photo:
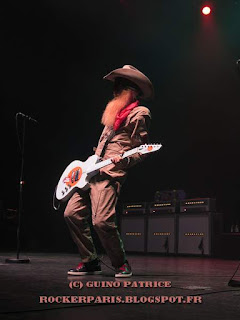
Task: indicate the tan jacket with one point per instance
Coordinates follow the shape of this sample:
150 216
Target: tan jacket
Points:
131 134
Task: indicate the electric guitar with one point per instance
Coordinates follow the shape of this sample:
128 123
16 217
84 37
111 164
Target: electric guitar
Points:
78 174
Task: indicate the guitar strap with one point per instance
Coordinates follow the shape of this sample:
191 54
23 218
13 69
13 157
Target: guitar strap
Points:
110 136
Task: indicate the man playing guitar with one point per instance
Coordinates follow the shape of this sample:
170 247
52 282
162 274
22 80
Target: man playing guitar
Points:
125 127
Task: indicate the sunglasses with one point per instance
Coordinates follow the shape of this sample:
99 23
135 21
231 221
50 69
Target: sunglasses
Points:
123 83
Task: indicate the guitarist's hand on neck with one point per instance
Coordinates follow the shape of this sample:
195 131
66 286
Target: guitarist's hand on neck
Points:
117 159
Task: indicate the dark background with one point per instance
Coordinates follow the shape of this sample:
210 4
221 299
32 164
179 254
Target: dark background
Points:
53 56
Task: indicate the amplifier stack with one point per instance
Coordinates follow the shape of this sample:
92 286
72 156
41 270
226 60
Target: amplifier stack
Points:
198 226
133 227
171 227
161 229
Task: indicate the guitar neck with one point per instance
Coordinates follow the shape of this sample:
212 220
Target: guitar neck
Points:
105 163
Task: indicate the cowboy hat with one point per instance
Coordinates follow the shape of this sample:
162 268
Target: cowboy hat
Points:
137 77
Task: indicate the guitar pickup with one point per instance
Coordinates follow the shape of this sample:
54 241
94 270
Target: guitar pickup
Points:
72 177
77 175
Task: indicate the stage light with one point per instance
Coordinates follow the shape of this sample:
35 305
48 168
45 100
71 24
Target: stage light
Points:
206 10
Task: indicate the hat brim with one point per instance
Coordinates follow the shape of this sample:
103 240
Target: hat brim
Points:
135 76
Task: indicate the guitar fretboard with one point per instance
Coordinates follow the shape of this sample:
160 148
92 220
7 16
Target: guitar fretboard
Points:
105 163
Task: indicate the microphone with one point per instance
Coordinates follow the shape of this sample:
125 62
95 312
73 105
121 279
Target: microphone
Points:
27 117
237 62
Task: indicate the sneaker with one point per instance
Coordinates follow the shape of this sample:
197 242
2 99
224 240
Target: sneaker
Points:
124 271
83 269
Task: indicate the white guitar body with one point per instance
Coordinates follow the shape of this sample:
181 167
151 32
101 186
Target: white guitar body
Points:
78 174
75 176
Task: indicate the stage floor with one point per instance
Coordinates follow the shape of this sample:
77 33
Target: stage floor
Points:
199 289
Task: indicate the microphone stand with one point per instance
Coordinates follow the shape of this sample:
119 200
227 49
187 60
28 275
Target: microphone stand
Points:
20 201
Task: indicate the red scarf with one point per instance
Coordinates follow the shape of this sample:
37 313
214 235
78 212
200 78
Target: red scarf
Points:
122 115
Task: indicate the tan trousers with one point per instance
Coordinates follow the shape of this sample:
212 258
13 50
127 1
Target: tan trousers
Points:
103 196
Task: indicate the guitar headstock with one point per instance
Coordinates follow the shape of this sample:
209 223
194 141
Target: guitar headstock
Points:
147 148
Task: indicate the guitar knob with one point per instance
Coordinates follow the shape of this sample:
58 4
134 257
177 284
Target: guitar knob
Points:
63 193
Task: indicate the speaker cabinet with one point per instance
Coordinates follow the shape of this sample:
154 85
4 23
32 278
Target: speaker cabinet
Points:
133 232
197 233
161 235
